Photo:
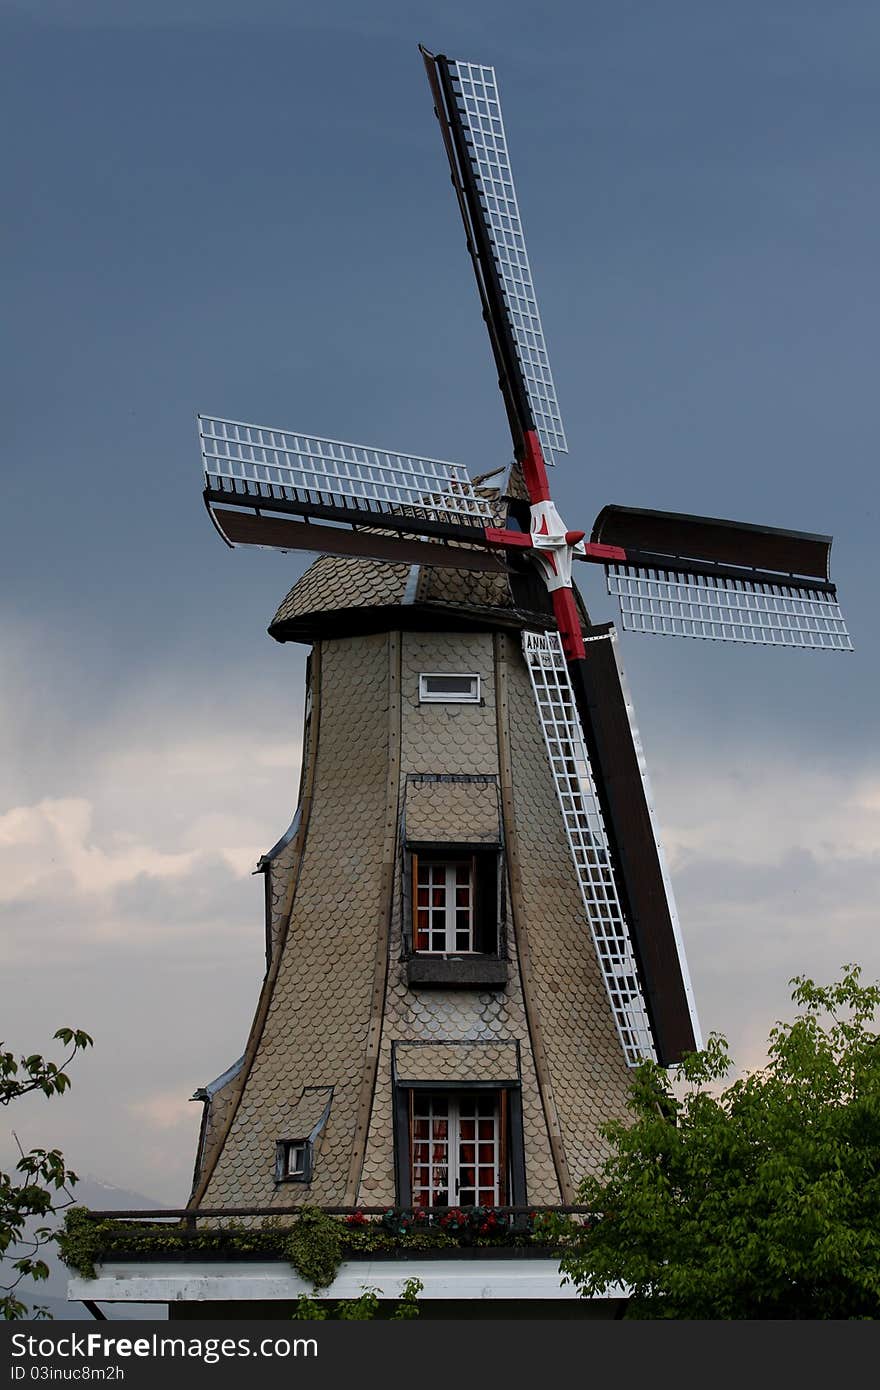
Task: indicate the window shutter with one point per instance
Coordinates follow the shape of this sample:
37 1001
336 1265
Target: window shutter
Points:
502 1149
414 893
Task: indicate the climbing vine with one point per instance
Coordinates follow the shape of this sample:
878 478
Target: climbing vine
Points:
314 1247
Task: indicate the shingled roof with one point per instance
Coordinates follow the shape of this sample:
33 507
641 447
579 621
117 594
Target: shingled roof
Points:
340 596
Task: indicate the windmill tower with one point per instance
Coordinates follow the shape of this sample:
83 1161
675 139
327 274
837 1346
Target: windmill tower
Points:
471 935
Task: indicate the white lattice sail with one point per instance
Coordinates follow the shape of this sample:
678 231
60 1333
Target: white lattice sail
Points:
279 465
588 840
723 609
477 98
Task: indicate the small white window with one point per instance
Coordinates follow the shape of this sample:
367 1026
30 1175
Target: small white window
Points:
441 687
295 1160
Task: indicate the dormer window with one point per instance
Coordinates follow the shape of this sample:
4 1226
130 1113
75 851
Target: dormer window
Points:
444 687
452 879
453 939
305 1121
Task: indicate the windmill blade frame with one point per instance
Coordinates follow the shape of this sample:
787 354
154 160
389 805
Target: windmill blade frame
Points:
270 475
678 603
286 534
598 770
259 464
677 575
468 108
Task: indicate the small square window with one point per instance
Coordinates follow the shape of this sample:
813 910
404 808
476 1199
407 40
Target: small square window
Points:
440 687
296 1160
293 1162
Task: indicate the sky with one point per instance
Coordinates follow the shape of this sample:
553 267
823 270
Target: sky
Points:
242 207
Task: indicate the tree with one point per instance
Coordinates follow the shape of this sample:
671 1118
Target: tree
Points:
32 1190
758 1200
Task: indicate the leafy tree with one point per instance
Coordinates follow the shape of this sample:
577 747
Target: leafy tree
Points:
758 1200
32 1190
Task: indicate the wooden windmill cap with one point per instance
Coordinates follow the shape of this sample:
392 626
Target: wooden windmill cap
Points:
340 597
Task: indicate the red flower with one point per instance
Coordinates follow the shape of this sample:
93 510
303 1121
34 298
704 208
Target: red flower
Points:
453 1219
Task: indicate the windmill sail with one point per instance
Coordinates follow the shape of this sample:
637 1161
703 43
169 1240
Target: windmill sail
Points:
608 721
585 828
673 603
269 475
690 576
469 110
284 533
256 464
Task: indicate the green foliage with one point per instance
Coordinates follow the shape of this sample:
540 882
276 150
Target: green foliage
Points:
309 1310
314 1243
758 1200
408 1306
314 1246
40 1175
361 1309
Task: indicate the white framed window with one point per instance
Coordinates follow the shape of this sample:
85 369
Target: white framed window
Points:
457 1149
447 687
443 906
293 1160
296 1160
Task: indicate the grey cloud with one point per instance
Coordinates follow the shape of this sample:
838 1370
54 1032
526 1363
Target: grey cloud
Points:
209 895
799 880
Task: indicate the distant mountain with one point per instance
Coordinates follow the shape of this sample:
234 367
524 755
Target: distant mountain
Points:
51 1293
103 1196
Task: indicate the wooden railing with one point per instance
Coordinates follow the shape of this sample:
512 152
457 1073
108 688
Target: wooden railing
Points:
219 1213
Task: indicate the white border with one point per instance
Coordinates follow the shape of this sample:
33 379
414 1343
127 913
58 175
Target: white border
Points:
167 1282
446 699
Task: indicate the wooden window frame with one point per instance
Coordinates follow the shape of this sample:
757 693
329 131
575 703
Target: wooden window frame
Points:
454 1118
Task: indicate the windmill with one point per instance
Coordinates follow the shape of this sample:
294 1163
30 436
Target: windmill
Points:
672 574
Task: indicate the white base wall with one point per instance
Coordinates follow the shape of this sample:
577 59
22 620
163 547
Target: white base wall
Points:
127 1281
